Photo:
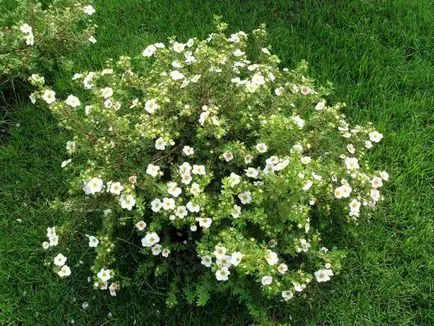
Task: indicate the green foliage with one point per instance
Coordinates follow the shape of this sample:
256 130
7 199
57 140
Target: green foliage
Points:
215 158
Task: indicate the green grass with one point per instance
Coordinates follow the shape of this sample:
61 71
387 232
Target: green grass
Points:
380 57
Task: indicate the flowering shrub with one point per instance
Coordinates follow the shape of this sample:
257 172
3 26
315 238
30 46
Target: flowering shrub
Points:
224 169
34 38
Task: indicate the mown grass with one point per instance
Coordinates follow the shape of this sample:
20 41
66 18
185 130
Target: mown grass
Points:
380 57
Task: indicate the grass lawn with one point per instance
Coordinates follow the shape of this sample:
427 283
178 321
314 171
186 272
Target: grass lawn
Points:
380 57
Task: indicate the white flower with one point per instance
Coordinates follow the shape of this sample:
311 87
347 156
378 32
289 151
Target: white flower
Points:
64 271
305 90
151 105
234 179
49 96
93 241
204 222
222 274
320 105
72 101
384 175
92 39
30 40
258 79
251 87
368 144
219 252
168 204
346 190
88 109
173 189
65 163
282 268
59 260
51 232
188 150
185 168
116 188
153 170
89 10
53 240
107 92
141 225
351 148
160 144
267 280
303 245
225 261
195 189
236 211
297 148
375 136
298 121
127 202
306 160
279 91
93 186
32 98
178 47
238 53
112 288
377 182
159 45
271 258
181 211
352 163
338 192
245 197
26 29
150 239
206 261
287 295
149 51
354 207
156 205
307 185
323 275
104 274
252 173
343 191
298 287
236 258
199 169
70 146
192 207
134 103
195 78
156 249
248 159
176 75
261 147
203 117
375 194
228 156
165 252
45 245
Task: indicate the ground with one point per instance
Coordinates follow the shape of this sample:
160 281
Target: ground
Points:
380 57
